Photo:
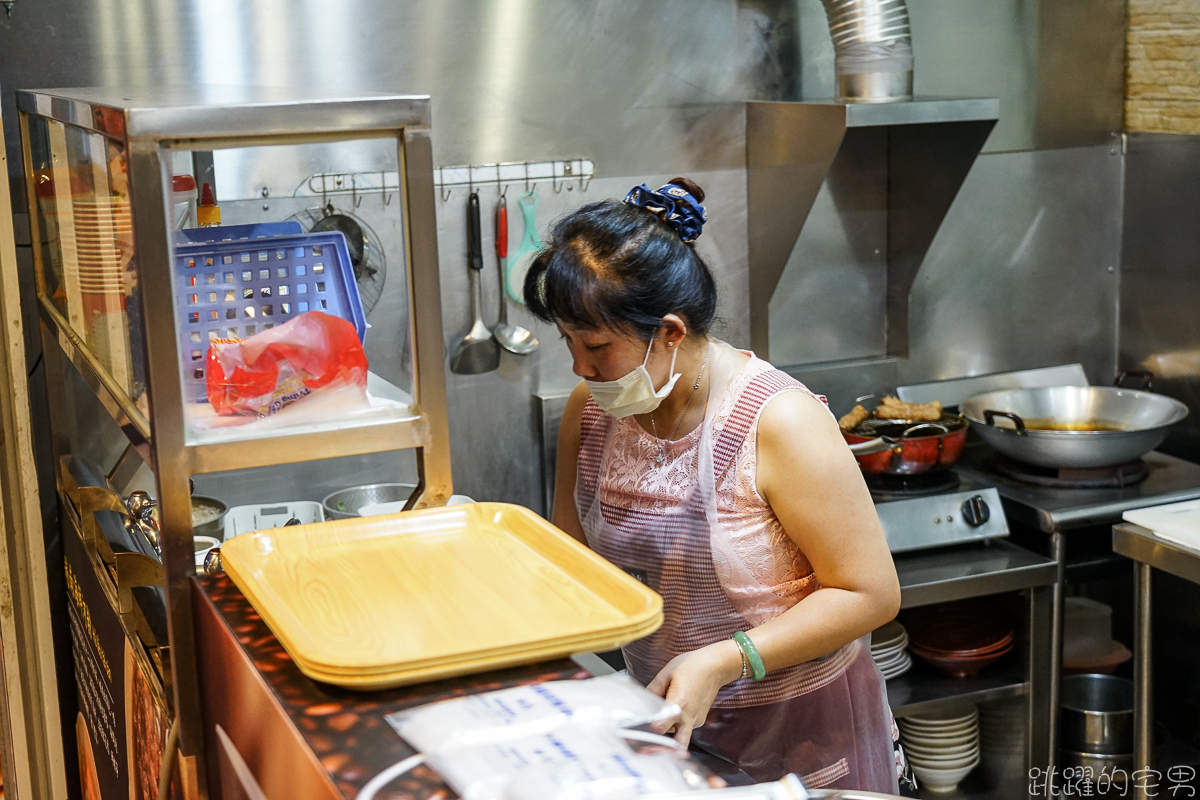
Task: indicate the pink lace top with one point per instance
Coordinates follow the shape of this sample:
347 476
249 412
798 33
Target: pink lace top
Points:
632 478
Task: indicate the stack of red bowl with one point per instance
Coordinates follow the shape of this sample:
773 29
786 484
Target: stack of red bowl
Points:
959 639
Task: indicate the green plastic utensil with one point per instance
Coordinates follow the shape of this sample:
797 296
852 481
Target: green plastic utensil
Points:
531 245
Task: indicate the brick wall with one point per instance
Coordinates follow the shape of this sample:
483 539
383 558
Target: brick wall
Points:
1162 68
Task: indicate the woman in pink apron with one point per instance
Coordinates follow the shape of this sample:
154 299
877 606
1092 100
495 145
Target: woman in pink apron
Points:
726 486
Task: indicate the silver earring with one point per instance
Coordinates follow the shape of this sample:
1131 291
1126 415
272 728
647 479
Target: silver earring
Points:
670 344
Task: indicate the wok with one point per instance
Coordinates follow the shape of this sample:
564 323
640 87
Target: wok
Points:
1074 427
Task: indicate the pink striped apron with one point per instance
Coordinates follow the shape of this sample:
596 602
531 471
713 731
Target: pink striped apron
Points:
827 719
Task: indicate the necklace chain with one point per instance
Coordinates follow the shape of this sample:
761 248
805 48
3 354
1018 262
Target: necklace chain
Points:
662 447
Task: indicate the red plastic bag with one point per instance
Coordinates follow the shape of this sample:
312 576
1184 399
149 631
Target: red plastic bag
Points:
262 375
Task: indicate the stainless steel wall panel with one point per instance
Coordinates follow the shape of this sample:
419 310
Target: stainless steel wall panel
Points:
1056 65
1016 277
830 303
1019 274
1160 282
636 86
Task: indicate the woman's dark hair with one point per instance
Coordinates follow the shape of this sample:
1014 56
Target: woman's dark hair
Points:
615 265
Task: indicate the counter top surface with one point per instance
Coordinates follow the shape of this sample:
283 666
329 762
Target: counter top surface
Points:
1140 544
345 729
1170 480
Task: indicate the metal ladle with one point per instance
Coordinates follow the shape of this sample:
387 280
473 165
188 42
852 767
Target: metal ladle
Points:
512 338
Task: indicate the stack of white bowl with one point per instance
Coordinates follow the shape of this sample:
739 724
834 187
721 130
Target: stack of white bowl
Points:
888 650
942 748
1002 737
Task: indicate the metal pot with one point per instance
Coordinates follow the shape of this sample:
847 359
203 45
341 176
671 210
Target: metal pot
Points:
1074 427
214 527
345 503
1097 714
1108 769
899 447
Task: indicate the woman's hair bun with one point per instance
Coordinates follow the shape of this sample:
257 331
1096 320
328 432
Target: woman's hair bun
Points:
625 265
689 186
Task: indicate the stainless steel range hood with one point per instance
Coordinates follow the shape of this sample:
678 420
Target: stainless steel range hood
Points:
928 146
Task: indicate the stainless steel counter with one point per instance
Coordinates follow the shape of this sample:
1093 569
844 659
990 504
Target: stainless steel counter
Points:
1141 545
1170 480
1149 553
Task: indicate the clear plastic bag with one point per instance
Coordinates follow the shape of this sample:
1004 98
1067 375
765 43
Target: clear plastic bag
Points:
611 701
572 762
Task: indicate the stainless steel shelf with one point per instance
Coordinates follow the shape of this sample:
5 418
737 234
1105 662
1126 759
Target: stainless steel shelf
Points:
924 690
279 445
970 570
292 445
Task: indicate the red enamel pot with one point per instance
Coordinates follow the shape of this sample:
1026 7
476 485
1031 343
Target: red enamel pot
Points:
900 447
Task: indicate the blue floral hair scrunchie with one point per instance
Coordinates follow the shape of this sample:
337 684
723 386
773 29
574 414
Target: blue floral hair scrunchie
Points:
672 204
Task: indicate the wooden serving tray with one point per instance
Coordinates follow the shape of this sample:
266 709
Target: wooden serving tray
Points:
419 595
388 680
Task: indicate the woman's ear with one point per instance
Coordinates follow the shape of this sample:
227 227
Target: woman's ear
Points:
673 330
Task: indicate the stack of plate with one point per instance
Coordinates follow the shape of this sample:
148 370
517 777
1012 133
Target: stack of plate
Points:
103 228
375 602
888 650
942 748
959 639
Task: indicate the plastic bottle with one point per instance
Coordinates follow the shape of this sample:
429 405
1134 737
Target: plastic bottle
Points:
208 214
183 192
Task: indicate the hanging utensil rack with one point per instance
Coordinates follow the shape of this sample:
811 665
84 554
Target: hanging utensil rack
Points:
563 174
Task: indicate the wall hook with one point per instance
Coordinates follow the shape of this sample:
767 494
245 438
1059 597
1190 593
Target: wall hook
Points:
445 194
387 198
527 189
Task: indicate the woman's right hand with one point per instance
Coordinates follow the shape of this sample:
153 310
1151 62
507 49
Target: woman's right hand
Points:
691 681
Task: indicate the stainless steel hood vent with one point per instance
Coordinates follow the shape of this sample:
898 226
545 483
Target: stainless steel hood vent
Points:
873 47
927 145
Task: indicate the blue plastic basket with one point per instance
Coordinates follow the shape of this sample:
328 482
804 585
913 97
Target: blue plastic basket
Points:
235 289
220 233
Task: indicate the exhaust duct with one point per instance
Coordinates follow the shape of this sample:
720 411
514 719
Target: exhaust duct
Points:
872 44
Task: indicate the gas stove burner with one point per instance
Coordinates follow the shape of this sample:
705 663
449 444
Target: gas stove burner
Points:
1098 478
898 487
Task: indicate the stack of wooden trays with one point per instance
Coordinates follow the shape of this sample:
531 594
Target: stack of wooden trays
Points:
384 601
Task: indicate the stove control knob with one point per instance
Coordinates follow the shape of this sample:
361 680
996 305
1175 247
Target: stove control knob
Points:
975 511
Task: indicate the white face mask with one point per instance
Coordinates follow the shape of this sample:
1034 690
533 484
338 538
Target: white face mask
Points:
634 392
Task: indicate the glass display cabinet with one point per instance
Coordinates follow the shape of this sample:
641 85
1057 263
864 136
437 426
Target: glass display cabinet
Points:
135 295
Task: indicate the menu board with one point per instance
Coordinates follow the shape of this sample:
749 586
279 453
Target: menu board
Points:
120 730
